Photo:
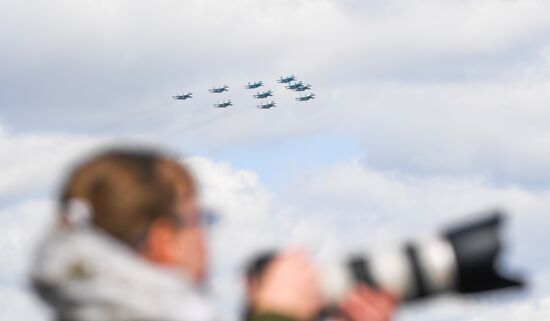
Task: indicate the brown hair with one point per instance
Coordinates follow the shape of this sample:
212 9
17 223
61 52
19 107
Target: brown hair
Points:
128 189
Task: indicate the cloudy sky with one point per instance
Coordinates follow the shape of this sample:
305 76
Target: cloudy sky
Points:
426 112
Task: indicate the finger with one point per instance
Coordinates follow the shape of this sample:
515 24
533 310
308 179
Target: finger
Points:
355 303
375 295
365 304
357 310
380 299
366 293
374 310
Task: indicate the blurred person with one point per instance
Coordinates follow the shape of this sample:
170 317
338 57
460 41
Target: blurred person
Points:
129 244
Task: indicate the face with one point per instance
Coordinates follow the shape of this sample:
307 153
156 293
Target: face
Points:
183 246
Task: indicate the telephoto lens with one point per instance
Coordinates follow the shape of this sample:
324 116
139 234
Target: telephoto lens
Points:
461 259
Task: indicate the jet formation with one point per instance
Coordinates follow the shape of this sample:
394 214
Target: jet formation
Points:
289 81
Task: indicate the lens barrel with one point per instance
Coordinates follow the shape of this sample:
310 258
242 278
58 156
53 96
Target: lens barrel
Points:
462 259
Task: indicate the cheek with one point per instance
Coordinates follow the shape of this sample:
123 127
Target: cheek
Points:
193 242
193 252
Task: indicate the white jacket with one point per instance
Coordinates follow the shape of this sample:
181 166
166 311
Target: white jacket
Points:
86 275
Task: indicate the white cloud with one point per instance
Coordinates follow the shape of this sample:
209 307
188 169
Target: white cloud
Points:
32 162
260 27
19 304
369 208
124 54
22 227
535 311
434 87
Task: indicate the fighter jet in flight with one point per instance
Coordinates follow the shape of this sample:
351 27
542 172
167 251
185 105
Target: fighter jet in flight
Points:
217 90
223 104
183 97
264 94
254 85
286 80
295 85
303 87
267 105
305 97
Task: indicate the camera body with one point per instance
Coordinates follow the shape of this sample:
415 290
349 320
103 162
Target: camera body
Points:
461 259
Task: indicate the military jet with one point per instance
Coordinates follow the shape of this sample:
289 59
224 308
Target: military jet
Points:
286 80
303 87
223 104
217 90
295 85
264 94
183 97
254 85
305 97
267 105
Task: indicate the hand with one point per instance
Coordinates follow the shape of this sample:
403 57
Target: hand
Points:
290 287
365 304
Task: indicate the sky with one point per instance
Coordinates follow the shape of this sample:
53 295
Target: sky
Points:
426 112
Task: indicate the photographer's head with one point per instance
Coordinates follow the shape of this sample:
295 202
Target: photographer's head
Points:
146 200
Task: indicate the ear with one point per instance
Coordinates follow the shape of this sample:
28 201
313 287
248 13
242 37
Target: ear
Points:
160 244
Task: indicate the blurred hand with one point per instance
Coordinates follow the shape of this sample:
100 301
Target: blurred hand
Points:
290 287
365 304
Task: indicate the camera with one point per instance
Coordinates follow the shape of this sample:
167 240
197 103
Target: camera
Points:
460 259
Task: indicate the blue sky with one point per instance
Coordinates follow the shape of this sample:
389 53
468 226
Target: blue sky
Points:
279 162
426 111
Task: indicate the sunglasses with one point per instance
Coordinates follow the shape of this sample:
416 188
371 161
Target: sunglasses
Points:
202 217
